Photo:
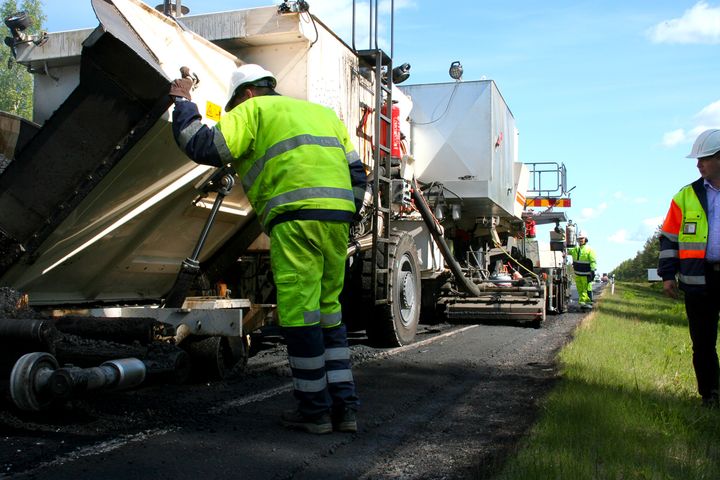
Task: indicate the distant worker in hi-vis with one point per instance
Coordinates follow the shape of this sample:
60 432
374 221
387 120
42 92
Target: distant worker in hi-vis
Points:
305 182
690 254
584 265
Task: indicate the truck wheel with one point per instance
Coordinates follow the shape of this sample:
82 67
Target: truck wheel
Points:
24 379
395 324
563 296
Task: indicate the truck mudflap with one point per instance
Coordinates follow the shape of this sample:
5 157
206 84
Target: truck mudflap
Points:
100 205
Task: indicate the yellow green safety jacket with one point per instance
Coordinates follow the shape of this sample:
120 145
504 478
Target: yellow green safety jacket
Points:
584 261
294 157
683 238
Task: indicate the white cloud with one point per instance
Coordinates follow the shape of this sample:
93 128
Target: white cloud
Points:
619 237
676 137
640 234
698 130
589 212
653 222
624 198
708 117
700 24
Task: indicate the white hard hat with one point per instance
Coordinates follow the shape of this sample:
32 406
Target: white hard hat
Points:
706 144
249 73
582 234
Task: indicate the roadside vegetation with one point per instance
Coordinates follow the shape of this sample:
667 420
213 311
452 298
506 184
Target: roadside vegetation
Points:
626 406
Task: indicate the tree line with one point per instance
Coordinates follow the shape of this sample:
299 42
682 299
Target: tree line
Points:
16 83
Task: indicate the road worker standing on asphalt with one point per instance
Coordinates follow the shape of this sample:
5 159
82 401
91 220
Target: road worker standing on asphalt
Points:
584 265
690 253
305 181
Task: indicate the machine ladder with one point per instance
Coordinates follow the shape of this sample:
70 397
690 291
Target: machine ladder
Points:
380 64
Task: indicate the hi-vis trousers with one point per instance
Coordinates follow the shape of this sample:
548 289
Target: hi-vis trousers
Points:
308 264
583 284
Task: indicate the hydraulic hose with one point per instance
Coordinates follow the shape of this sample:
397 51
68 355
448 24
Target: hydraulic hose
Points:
465 283
364 243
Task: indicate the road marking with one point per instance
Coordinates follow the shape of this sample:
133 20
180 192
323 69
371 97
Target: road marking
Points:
427 341
97 449
286 388
252 398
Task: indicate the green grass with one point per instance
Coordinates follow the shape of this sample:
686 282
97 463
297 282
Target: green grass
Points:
626 406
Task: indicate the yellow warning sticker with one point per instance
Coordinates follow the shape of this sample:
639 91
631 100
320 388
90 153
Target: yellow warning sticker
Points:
213 111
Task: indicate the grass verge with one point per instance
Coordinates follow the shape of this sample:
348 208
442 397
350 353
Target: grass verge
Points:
626 406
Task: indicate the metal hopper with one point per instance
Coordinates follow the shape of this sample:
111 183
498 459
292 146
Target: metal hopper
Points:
101 204
463 135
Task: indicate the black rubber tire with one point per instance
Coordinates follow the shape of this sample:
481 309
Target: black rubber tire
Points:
564 295
396 324
23 381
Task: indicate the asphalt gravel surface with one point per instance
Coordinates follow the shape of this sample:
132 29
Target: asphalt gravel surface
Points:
451 406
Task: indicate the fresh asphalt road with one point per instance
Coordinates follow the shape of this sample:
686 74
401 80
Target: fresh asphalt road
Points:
450 406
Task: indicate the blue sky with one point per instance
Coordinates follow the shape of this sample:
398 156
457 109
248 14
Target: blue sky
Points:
615 90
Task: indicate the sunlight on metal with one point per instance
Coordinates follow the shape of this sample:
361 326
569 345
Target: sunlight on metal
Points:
233 211
170 189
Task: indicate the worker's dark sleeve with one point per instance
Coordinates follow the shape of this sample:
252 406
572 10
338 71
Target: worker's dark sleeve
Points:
669 262
358 178
198 141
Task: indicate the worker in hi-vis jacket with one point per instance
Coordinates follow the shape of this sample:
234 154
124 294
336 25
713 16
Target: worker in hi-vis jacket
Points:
584 265
306 182
690 255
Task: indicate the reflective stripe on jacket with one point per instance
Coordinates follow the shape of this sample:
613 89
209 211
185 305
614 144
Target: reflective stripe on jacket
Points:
584 261
295 158
683 238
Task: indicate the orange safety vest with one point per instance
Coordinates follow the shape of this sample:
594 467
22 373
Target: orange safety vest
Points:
683 238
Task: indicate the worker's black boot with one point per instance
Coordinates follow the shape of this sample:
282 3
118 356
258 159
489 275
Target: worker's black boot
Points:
319 424
344 420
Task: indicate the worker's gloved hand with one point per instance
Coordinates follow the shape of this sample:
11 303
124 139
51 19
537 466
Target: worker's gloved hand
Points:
180 88
592 274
